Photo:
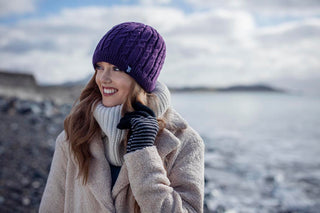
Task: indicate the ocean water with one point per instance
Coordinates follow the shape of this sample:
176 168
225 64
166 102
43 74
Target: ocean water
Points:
262 149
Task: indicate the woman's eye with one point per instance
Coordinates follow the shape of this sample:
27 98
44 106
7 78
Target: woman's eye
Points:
116 69
99 67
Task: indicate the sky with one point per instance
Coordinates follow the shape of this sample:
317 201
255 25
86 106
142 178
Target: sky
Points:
209 42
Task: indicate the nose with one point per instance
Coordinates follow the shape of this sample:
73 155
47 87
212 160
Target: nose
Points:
106 76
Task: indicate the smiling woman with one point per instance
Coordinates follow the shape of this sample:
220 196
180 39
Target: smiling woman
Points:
113 84
124 148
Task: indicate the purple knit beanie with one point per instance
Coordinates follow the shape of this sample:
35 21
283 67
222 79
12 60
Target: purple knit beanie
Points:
135 48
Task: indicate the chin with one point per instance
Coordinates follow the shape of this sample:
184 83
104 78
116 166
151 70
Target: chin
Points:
109 104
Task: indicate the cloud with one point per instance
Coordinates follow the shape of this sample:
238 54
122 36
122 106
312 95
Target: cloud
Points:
17 7
215 23
254 54
290 32
59 47
291 49
214 47
264 7
154 2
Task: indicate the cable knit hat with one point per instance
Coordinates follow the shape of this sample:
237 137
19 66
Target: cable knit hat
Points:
135 48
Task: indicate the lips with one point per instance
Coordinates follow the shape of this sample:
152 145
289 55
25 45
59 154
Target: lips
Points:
108 91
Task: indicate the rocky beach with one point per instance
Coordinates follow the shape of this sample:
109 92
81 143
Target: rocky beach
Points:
28 132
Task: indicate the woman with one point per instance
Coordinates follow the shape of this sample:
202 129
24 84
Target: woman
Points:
123 148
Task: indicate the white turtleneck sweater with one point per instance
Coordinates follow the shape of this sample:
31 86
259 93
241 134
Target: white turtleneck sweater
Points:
109 117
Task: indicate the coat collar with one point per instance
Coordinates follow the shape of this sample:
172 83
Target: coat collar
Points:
174 121
99 181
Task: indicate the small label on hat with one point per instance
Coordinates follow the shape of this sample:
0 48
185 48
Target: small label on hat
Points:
128 69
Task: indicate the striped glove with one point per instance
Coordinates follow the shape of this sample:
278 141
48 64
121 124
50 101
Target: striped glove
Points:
143 127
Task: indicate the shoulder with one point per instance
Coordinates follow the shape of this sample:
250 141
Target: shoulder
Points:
179 127
62 142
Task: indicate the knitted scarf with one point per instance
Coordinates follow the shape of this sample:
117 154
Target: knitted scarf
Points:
109 117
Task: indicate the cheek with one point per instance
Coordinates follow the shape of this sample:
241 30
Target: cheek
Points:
126 87
97 79
129 85
125 90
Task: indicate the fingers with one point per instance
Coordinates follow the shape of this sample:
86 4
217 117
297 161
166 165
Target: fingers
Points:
140 107
136 114
125 121
140 111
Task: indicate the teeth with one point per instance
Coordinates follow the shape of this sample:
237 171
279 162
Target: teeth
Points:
109 91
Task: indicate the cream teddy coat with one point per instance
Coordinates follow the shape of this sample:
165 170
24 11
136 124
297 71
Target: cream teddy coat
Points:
167 177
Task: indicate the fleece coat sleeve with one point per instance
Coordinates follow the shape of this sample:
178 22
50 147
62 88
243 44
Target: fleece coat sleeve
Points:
181 190
54 193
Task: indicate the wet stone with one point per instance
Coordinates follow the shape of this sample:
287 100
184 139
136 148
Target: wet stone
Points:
2 199
25 181
25 201
36 184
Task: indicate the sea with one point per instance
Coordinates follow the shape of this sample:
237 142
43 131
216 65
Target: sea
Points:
262 149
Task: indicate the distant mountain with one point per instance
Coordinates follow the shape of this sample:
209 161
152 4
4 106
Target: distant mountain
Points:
250 88
235 88
24 86
23 80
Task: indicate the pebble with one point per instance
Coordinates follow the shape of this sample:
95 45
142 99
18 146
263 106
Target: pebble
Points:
36 184
25 181
25 201
2 199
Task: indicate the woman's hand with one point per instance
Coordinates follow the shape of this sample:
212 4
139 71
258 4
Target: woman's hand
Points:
143 127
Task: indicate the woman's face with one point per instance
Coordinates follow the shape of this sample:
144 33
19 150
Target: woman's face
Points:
114 84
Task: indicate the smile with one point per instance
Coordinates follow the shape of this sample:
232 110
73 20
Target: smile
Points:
109 91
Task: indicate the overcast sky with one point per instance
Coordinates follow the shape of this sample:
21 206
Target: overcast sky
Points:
213 43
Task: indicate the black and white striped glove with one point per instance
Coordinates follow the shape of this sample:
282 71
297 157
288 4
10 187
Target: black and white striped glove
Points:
143 127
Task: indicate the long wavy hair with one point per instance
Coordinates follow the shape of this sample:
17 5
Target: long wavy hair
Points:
81 127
